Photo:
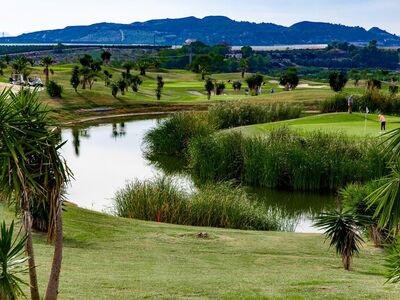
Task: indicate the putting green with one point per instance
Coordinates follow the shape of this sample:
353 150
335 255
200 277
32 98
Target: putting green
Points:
351 124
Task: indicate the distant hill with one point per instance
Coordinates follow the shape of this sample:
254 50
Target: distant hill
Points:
211 30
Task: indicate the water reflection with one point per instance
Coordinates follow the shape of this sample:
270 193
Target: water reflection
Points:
103 163
296 208
118 130
77 133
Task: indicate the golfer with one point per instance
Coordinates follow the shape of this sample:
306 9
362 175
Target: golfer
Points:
350 104
382 120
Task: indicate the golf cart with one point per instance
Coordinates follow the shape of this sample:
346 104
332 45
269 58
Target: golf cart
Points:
17 79
35 81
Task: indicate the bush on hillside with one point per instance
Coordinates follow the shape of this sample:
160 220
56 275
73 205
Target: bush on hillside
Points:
53 89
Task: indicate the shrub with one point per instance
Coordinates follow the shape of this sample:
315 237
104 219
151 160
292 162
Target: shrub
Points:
393 89
218 205
254 82
53 89
337 81
220 88
289 79
172 135
242 113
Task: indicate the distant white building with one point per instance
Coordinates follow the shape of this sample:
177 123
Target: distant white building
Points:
237 56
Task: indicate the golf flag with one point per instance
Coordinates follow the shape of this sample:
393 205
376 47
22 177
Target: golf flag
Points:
367 110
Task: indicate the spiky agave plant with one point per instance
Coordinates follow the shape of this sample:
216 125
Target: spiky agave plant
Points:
393 263
12 262
342 228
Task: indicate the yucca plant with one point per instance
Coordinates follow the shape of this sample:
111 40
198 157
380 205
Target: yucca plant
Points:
12 262
342 228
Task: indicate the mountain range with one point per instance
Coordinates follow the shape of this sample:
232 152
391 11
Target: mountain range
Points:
211 30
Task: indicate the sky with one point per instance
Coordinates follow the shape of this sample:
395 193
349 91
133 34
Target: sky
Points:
21 16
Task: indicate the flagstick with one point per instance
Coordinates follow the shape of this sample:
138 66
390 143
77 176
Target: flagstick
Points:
366 117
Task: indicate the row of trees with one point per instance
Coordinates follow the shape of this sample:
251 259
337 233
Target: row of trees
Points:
338 80
21 64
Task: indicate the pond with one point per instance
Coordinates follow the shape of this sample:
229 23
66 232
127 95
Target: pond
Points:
104 157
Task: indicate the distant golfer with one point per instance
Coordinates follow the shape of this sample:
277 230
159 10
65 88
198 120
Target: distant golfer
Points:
350 104
383 122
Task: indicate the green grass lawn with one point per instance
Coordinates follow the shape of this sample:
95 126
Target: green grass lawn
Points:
182 90
354 125
111 258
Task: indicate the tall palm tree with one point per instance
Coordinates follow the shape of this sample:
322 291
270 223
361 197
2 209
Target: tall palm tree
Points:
46 62
33 173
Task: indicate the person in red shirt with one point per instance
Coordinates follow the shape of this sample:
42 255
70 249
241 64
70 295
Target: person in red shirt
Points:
382 120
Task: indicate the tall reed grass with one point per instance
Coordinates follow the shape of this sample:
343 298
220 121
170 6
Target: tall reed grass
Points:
216 205
375 100
172 135
286 159
242 113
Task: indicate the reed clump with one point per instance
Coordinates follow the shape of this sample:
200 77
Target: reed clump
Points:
286 159
171 136
242 113
213 205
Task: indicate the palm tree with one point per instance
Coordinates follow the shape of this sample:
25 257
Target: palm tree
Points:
203 71
46 62
20 66
106 56
342 228
160 86
209 86
128 66
142 65
244 65
12 261
33 173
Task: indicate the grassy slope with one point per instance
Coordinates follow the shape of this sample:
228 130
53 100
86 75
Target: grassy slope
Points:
353 124
113 258
181 91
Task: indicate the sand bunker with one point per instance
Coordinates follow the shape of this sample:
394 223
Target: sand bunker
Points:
4 86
